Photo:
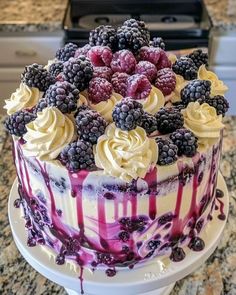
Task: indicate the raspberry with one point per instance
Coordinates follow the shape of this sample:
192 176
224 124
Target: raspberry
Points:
194 90
36 76
146 68
102 72
62 95
169 120
90 125
119 83
185 141
127 114
218 102
56 68
100 56
185 67
167 152
78 155
103 35
150 54
163 61
148 123
16 123
123 61
82 51
199 58
66 52
138 86
78 71
99 90
165 81
42 104
158 42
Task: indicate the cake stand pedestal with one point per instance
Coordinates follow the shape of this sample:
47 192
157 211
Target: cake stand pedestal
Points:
156 277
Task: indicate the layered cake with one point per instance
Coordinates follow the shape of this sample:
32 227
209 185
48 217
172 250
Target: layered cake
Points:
117 147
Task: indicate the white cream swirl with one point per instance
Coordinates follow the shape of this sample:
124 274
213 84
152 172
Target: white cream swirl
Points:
154 101
48 134
125 154
24 97
180 84
82 100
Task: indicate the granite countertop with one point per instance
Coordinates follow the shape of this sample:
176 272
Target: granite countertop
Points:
216 277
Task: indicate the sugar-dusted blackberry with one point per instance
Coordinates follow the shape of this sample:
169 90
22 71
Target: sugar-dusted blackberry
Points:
139 24
127 114
167 152
78 155
119 83
148 123
90 125
66 52
103 35
185 67
62 95
36 76
194 90
56 68
199 57
16 123
219 102
42 104
179 105
186 142
138 86
158 42
169 120
78 71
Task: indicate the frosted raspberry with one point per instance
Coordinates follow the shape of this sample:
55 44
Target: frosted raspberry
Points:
102 72
165 81
99 90
146 68
163 61
100 56
82 50
119 83
138 86
123 61
151 54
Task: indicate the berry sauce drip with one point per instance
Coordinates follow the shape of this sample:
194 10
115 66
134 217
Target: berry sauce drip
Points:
151 179
219 195
177 254
196 244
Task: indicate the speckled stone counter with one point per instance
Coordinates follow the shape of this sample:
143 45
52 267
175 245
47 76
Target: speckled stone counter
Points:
31 15
216 277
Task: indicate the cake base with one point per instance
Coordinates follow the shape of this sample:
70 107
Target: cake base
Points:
158 275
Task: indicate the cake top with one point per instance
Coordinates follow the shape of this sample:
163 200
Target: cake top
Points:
120 103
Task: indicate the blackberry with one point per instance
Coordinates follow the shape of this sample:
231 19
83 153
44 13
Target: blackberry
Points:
78 155
36 76
139 24
82 50
185 67
78 71
185 141
178 105
16 123
66 52
56 68
62 95
90 125
167 152
194 90
148 123
42 104
199 58
169 120
158 42
103 35
218 102
127 114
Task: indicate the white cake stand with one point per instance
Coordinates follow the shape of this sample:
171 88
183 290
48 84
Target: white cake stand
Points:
154 278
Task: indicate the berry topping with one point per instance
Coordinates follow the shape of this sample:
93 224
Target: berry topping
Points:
198 57
185 67
100 56
153 244
119 83
165 81
15 123
194 90
163 61
146 68
78 155
42 104
158 42
62 95
102 72
177 254
82 50
196 244
219 193
124 236
123 61
99 90
110 272
90 125
169 120
133 224
167 152
218 102
66 52
127 114
179 105
36 76
139 24
138 86
104 258
78 71
185 141
103 35
150 54
148 123
56 68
